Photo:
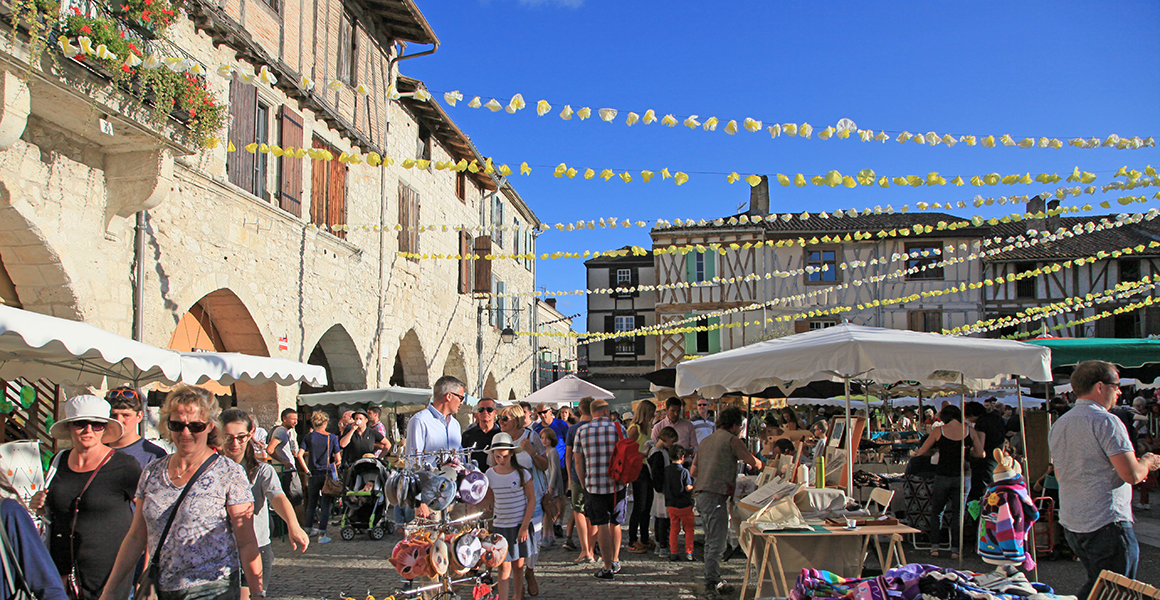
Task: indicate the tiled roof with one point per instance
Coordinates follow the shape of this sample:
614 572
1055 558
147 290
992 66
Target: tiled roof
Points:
871 223
611 260
1088 244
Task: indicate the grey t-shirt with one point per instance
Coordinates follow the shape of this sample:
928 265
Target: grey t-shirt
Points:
265 486
288 447
1091 493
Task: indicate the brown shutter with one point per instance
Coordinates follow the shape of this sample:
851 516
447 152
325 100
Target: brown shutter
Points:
610 343
1105 327
290 192
464 263
801 326
244 115
914 320
413 224
319 175
482 265
404 219
336 195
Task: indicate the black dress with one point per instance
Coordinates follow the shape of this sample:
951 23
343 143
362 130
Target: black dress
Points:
103 520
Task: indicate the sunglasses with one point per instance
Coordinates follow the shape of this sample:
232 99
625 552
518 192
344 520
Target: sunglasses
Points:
504 419
543 412
94 425
194 427
122 395
487 409
241 437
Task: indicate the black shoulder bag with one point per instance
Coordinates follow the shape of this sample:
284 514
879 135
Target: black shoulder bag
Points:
147 584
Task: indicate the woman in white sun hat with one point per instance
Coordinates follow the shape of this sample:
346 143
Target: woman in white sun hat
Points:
89 497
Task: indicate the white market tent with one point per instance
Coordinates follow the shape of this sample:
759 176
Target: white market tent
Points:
867 354
228 368
388 396
566 391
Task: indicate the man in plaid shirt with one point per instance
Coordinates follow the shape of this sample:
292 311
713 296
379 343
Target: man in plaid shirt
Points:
604 499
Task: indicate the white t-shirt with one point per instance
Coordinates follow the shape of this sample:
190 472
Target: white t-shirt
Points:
510 499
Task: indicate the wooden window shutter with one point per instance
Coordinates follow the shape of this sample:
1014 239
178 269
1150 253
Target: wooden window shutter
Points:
714 335
336 196
1152 320
413 225
404 219
914 320
610 343
290 192
640 339
319 176
690 336
1106 327
801 326
464 263
482 265
244 114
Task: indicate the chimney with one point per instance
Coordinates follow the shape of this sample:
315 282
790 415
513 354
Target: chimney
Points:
1053 221
1035 205
550 302
759 198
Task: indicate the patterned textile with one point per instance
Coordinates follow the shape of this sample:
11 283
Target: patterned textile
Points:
1007 518
200 547
596 442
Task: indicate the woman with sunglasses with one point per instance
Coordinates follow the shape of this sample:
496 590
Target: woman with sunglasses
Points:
238 427
212 538
88 498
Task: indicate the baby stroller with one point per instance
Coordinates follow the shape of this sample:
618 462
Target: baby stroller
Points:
364 499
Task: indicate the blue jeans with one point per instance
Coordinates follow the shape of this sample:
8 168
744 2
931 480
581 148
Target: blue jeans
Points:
714 510
403 515
317 501
1112 547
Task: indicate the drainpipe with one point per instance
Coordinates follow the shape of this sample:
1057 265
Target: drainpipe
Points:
139 278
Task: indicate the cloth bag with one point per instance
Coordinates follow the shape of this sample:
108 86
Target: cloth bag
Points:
331 486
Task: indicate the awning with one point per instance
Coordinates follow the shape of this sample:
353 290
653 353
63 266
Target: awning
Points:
388 396
1136 357
228 368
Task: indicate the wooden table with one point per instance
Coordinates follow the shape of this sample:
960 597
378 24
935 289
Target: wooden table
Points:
777 570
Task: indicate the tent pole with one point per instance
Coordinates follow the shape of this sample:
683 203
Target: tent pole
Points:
1026 472
962 471
849 444
749 422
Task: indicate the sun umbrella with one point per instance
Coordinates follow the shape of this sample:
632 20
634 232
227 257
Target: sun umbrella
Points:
567 390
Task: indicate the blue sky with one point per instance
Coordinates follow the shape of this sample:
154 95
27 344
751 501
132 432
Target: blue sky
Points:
1055 69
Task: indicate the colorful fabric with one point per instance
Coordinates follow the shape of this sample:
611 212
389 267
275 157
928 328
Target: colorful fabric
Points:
1007 517
596 443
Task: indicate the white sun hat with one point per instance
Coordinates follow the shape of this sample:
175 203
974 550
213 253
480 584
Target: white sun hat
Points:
87 408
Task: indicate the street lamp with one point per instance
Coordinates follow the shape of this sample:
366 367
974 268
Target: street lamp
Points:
507 336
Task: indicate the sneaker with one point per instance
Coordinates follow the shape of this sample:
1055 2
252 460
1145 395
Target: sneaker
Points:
688 556
558 530
674 557
314 531
1141 505
615 566
570 545
605 574
723 588
324 540
547 544
662 552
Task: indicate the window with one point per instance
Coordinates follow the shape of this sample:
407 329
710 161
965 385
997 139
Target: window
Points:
347 50
623 277
465 273
408 219
624 323
1129 269
273 4
423 146
1025 288
497 220
924 255
701 266
822 324
461 187
262 136
928 321
249 124
707 337
290 168
825 261
496 318
327 191
529 248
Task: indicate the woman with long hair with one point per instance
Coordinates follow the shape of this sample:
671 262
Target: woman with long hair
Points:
641 430
949 440
89 500
323 456
212 539
238 427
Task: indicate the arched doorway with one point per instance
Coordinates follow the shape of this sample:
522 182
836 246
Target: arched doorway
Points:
32 267
455 365
220 322
410 368
490 389
336 352
512 395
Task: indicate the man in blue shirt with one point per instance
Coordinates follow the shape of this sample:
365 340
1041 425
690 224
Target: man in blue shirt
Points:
127 406
435 428
544 412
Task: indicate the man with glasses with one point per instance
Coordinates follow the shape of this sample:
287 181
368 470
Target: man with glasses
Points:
547 421
127 406
479 435
435 427
1096 467
703 421
361 440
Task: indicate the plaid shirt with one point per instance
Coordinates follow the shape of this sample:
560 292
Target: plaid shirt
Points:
596 442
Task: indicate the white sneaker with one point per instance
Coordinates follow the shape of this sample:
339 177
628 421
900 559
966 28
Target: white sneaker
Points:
314 531
1142 506
324 540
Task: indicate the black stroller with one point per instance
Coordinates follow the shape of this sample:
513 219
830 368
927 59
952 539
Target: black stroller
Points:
366 504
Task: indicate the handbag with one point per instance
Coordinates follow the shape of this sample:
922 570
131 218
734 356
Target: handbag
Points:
548 502
331 485
147 584
72 581
13 573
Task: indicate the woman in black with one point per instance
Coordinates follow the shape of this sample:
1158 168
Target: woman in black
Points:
948 440
103 510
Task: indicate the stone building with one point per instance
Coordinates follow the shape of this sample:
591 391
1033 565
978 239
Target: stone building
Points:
557 355
830 258
618 365
124 221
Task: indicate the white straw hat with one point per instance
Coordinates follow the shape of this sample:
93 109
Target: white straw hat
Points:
502 441
87 408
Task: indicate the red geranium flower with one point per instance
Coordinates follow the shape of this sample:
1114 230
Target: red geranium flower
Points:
192 113
125 7
126 69
85 29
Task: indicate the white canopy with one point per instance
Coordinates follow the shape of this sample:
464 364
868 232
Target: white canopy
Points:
228 368
388 396
864 353
33 346
936 402
567 390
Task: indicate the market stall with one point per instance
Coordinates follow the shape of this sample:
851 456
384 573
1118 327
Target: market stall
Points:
565 392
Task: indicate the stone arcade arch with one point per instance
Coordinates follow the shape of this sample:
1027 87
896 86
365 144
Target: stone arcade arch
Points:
336 352
456 365
410 363
219 321
32 264
490 389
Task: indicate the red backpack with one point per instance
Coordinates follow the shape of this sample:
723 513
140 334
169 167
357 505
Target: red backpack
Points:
626 460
